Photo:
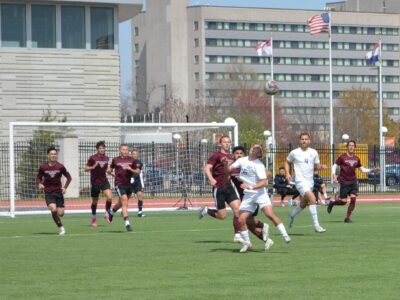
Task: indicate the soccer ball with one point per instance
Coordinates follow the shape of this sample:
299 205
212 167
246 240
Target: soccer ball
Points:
271 87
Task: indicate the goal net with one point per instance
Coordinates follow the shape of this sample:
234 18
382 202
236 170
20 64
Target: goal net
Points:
173 157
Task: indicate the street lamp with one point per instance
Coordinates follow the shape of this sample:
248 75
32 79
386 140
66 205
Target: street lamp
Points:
232 122
384 130
268 140
204 143
345 138
177 137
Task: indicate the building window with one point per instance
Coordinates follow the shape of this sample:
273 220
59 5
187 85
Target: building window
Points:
196 25
196 59
73 27
102 27
43 26
13 32
197 76
137 48
196 43
136 31
197 93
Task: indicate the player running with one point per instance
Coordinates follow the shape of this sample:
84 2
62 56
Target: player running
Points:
223 190
124 166
305 161
49 180
348 163
254 177
97 165
137 182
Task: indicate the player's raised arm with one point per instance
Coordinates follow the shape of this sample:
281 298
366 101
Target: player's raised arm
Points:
39 177
91 165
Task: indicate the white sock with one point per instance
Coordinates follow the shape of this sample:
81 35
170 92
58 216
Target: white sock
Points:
314 215
325 195
245 236
296 211
127 223
282 229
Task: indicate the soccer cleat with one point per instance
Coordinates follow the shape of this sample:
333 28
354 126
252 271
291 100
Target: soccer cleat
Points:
347 220
330 206
202 212
246 247
291 220
287 239
62 231
290 203
94 222
238 238
141 214
265 232
268 244
319 229
128 227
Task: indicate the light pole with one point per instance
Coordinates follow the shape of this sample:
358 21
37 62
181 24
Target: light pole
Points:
345 138
231 121
204 143
177 138
384 130
268 140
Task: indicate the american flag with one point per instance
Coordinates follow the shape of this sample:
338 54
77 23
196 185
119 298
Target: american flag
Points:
319 23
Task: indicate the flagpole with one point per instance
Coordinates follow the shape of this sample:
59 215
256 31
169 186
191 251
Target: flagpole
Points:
381 140
272 110
331 140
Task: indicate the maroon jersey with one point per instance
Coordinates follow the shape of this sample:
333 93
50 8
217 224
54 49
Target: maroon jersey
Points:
98 174
122 175
235 177
218 168
348 165
50 177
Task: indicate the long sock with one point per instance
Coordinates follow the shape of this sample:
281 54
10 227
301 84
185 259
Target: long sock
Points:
314 215
108 205
212 212
296 211
245 236
94 208
282 229
126 219
56 218
236 224
140 205
339 202
259 224
351 207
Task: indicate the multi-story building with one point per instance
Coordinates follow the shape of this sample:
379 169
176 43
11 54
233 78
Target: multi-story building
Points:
201 52
61 55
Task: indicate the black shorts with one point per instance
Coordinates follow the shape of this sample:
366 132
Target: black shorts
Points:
222 195
136 186
255 213
347 189
96 189
123 190
57 198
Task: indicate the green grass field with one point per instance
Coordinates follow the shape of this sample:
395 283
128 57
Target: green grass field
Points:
176 256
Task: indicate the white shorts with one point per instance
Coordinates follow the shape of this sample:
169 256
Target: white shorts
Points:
304 187
252 200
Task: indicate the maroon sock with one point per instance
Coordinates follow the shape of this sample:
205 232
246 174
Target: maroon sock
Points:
126 218
140 205
94 208
236 224
259 224
108 205
212 212
351 207
257 233
56 218
339 202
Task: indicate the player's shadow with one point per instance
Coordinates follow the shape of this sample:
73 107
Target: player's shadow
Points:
45 233
113 231
209 242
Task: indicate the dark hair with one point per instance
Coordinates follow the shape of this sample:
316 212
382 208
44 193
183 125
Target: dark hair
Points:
52 148
305 133
238 148
123 145
100 144
134 150
281 168
223 137
351 141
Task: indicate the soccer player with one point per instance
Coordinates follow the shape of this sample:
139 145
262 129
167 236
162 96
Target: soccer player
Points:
124 166
137 182
305 161
223 190
49 180
348 163
254 177
97 165
258 228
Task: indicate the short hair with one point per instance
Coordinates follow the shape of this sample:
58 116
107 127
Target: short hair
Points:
223 137
305 133
281 168
134 150
51 148
100 144
351 141
123 145
238 148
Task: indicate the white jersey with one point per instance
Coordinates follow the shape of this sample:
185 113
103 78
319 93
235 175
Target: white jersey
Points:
251 171
304 162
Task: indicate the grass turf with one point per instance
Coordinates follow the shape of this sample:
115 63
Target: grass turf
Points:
176 256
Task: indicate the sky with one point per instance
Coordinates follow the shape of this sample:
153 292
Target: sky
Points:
125 27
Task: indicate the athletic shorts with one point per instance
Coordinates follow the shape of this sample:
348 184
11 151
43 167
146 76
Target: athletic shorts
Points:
347 189
57 198
123 190
96 189
222 195
303 187
252 201
136 186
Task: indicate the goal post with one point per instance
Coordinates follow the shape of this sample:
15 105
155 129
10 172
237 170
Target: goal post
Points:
173 167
